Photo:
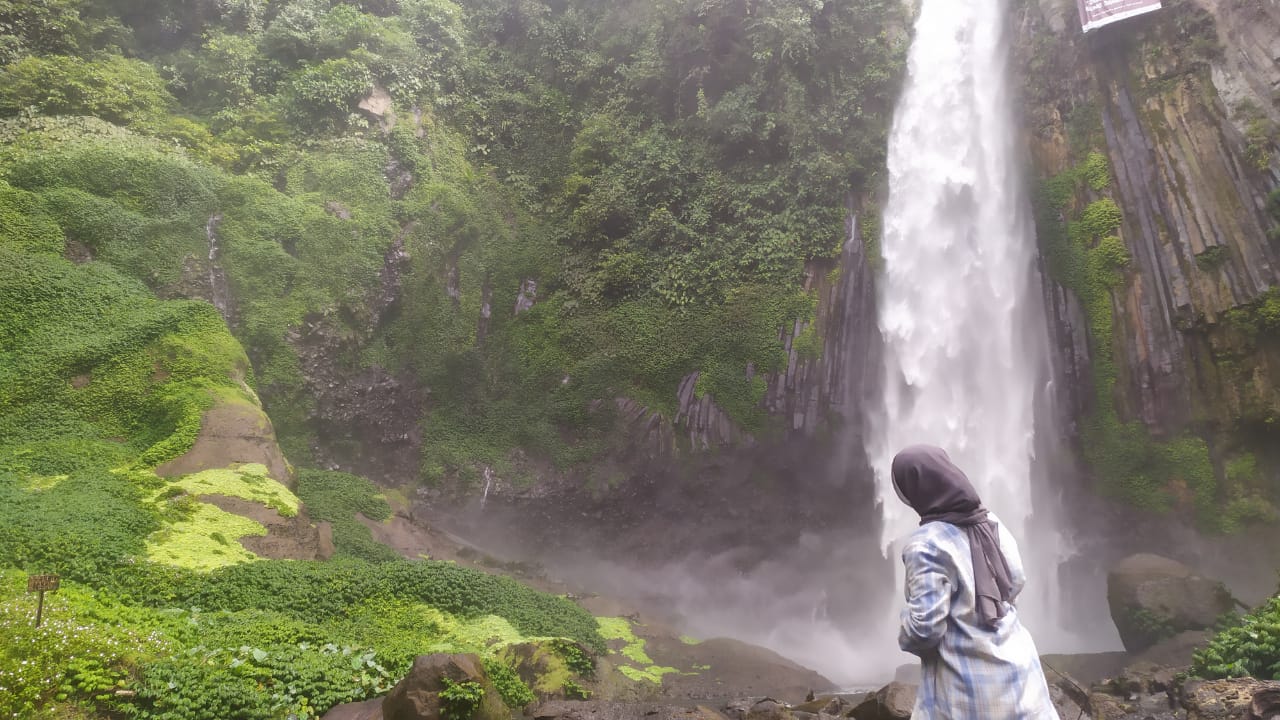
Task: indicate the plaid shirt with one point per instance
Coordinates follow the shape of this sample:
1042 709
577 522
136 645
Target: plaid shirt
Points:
967 672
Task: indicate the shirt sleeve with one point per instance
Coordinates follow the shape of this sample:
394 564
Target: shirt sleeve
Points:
924 620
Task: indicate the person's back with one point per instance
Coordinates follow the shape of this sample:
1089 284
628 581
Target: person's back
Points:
967 670
977 661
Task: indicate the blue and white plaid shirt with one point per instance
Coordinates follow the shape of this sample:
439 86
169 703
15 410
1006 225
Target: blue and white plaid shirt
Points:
968 672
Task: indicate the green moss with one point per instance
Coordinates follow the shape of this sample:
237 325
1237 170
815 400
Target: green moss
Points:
193 542
1084 255
249 482
641 667
651 673
25 224
1212 258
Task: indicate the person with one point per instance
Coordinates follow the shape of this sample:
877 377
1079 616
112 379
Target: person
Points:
977 661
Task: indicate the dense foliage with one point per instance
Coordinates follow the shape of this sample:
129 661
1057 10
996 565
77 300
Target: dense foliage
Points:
335 498
661 174
200 201
1078 225
1250 647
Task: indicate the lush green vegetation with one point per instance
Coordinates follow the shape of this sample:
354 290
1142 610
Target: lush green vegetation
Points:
1077 228
191 198
336 498
663 173
1250 647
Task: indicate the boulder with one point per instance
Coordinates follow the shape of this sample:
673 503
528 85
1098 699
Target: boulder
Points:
417 696
1153 598
757 709
232 431
1175 652
367 710
1233 699
894 701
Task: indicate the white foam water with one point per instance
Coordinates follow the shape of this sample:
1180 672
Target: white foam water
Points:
960 310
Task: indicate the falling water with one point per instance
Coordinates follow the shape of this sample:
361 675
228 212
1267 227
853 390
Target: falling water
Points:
218 290
961 317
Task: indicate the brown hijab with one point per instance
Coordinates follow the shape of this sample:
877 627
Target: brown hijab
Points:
934 487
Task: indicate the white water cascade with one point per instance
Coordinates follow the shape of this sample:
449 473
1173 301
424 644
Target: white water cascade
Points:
960 312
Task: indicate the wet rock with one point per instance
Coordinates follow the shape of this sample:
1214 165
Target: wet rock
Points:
367 710
1233 699
528 295
371 416
894 701
757 709
1105 706
377 103
1175 652
1085 668
830 705
287 538
1144 678
1153 598
1069 696
417 696
596 710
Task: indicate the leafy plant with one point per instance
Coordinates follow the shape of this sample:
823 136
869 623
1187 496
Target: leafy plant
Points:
460 700
1250 648
515 693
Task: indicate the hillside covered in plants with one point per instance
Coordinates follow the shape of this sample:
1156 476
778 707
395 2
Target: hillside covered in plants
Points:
493 218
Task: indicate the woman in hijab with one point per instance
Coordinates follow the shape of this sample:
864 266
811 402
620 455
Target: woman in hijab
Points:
963 573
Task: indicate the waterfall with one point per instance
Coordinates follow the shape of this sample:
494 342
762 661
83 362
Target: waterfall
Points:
960 312
219 294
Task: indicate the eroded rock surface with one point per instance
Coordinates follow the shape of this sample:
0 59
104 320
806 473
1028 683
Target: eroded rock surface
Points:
1153 598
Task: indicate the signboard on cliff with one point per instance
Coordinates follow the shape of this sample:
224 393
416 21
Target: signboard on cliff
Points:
1096 13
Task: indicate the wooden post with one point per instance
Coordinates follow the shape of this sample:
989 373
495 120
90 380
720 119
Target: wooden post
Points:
40 584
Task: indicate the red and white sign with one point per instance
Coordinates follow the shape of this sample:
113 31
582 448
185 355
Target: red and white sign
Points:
1096 13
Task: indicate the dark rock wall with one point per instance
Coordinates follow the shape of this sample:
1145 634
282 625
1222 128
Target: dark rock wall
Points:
1166 92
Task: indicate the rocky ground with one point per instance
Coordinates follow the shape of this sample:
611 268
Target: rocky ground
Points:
724 679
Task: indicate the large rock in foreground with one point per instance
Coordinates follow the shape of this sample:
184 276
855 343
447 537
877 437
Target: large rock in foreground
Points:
894 701
1234 699
417 696
1153 598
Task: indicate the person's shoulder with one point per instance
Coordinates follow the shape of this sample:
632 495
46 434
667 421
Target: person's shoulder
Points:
931 537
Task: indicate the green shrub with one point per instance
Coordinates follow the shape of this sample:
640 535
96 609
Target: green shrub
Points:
336 498
1251 648
323 591
113 88
82 652
25 224
515 693
1096 171
257 682
459 701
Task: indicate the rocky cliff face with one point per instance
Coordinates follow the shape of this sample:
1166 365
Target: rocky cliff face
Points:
1171 116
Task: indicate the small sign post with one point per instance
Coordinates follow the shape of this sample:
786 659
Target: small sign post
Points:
41 584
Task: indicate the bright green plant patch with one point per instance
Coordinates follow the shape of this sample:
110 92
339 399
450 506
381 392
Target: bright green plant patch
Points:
248 481
206 539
